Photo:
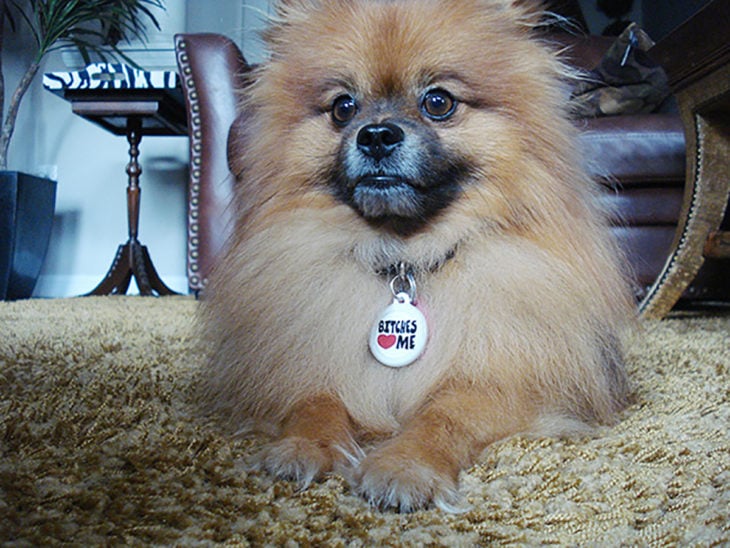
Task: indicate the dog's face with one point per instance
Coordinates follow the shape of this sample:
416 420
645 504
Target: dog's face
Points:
404 110
391 166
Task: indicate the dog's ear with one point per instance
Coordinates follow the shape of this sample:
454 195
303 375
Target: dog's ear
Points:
285 14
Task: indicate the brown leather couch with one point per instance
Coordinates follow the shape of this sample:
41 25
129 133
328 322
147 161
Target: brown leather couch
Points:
639 158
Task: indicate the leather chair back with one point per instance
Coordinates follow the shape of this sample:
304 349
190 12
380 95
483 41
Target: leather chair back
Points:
212 70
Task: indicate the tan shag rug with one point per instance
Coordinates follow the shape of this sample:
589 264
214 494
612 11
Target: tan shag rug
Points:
101 443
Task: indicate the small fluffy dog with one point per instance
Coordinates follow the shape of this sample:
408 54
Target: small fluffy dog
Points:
418 268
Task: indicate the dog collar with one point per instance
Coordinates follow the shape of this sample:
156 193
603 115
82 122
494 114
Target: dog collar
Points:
394 269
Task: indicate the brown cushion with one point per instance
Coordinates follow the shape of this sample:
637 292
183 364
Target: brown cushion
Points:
644 206
636 150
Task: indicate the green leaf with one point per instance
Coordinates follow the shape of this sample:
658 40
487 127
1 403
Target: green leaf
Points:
90 26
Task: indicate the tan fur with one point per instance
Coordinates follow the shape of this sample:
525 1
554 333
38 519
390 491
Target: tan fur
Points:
526 320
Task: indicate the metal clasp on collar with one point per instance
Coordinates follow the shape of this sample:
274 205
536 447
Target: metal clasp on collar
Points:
404 282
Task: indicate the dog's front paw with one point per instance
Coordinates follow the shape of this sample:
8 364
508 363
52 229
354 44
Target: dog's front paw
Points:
388 479
294 458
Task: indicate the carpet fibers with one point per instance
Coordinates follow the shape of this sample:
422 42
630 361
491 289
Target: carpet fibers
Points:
101 443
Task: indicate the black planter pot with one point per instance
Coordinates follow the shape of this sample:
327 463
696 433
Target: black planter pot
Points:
27 204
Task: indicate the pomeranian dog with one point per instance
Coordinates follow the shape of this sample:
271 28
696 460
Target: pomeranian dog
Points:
418 267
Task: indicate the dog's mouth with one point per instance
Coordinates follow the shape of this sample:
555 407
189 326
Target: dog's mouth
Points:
381 196
382 181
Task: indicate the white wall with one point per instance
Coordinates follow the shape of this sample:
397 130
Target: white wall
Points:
89 163
239 19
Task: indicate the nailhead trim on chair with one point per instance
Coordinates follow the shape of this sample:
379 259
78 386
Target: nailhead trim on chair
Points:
196 134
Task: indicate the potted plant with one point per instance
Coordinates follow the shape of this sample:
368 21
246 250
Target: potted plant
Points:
92 27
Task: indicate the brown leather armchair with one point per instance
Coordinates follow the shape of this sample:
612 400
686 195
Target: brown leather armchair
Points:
639 158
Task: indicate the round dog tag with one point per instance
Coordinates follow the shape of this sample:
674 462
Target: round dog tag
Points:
399 334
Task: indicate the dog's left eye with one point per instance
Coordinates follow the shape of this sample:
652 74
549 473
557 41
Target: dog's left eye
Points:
438 104
344 109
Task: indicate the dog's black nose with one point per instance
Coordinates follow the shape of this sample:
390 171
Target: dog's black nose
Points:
379 140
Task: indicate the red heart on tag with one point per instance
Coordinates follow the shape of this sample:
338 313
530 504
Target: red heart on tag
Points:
386 341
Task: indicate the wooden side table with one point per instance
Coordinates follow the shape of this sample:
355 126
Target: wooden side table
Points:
696 57
123 109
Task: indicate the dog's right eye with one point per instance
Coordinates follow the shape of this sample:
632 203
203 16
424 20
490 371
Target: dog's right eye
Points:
438 104
344 109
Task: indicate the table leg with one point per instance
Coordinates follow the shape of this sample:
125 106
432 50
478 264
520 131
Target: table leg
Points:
148 281
132 259
134 170
116 281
